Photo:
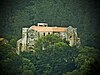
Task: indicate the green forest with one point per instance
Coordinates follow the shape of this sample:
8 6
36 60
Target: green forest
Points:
58 58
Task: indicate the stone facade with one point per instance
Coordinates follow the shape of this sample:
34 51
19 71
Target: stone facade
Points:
29 35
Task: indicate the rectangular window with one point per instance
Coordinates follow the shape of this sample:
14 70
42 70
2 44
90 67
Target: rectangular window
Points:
38 34
43 34
40 25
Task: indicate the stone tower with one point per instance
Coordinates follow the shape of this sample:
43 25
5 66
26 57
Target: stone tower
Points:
72 36
24 38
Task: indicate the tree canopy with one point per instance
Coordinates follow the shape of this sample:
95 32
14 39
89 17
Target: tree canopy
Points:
58 58
84 15
53 56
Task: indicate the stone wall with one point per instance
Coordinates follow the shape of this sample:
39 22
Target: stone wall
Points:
26 43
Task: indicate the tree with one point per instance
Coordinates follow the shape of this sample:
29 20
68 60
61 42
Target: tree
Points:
9 60
55 58
46 41
79 14
87 62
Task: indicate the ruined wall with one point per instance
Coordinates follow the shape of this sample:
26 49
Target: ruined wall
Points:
72 36
26 43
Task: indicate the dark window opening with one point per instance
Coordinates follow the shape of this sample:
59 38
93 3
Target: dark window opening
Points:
43 34
45 25
30 47
40 25
38 34
49 33
70 37
31 35
20 46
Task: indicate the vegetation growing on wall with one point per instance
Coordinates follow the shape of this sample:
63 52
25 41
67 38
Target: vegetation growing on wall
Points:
57 58
84 15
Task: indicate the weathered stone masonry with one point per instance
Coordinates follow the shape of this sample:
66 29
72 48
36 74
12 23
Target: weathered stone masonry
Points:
29 35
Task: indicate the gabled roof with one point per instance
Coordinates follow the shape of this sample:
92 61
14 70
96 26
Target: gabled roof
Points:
48 29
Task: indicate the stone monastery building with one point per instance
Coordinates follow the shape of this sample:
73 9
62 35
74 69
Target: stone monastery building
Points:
29 35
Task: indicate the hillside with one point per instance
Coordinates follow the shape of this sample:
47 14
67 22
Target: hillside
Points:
58 58
83 15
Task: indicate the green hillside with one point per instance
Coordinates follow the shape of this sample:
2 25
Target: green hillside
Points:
84 15
58 58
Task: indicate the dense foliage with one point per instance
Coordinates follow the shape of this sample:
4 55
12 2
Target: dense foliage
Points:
81 14
51 56
56 58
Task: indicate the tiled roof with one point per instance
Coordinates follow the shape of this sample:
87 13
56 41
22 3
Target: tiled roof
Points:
49 29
